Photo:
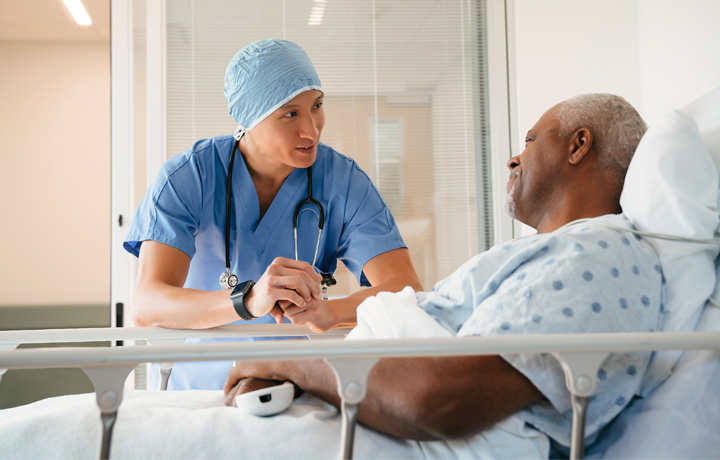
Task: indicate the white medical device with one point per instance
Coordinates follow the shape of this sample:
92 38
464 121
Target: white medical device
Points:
266 401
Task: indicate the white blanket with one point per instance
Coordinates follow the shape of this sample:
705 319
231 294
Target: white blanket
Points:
184 424
196 424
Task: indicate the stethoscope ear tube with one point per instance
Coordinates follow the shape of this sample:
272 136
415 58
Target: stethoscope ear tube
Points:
310 200
228 279
320 214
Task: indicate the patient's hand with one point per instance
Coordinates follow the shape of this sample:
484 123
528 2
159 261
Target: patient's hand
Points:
247 385
247 376
317 314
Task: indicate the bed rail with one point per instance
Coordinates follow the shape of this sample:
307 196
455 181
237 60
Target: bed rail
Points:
158 335
103 334
32 358
579 354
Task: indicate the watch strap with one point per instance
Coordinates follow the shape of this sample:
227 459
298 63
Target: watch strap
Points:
238 299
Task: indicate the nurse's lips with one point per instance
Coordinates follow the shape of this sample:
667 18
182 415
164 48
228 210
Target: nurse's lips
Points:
308 149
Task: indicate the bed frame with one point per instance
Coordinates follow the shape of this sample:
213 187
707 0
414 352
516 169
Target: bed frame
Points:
579 354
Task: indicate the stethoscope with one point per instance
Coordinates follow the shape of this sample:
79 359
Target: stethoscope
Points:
228 279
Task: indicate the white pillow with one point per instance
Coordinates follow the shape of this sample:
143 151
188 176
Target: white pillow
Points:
680 419
672 187
706 113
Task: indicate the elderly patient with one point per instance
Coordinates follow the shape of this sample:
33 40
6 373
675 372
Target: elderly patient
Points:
565 279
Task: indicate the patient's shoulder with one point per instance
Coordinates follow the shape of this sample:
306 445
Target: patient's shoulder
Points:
607 237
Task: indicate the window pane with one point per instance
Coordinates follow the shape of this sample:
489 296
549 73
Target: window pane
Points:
405 92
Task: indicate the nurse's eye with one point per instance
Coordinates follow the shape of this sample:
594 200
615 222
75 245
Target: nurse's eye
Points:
318 105
291 114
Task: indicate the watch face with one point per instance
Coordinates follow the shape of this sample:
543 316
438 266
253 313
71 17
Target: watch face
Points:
242 288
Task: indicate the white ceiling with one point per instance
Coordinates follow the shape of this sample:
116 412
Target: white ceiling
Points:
47 20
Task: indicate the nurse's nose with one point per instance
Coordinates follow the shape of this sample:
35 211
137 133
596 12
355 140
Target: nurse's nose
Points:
309 128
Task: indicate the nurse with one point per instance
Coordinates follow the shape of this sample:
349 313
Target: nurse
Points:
178 233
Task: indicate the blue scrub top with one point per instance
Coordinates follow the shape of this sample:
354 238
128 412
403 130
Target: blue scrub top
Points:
185 209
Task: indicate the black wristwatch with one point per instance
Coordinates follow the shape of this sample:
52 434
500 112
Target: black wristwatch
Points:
238 299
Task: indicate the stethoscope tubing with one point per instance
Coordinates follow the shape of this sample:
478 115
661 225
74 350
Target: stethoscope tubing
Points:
228 204
228 275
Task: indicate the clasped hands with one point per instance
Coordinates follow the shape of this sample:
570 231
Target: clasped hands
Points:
291 288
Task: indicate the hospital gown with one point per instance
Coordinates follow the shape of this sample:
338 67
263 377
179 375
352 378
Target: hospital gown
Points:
580 278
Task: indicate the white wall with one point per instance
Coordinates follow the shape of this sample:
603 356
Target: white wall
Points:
569 47
679 44
54 173
657 54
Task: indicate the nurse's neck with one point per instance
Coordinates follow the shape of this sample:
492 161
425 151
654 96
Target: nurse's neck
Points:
267 172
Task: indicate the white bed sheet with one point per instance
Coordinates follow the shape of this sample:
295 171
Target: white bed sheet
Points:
188 424
196 425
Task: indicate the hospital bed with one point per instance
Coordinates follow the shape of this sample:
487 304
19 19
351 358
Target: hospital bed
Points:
580 354
679 163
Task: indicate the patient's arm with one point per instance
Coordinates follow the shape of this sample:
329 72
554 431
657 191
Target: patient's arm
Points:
415 398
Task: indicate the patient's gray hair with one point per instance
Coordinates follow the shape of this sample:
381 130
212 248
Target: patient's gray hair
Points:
616 125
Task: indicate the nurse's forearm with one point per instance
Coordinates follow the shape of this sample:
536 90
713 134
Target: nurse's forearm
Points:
181 308
345 310
160 299
391 271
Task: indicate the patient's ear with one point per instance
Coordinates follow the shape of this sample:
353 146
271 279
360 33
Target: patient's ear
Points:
580 143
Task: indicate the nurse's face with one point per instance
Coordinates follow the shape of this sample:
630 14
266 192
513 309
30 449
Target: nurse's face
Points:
290 135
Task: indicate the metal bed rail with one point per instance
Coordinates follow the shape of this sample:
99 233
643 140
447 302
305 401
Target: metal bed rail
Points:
579 354
103 334
159 335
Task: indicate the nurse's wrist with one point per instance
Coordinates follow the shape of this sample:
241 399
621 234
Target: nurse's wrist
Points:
334 312
341 312
252 304
240 298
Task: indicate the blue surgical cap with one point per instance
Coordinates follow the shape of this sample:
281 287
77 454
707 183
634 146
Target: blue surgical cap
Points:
264 76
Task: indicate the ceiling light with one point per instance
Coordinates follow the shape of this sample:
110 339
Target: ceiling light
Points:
78 12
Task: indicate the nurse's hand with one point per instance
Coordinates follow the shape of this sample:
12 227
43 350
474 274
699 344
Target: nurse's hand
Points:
284 281
317 314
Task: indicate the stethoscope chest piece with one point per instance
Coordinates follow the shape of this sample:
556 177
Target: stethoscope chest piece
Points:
228 280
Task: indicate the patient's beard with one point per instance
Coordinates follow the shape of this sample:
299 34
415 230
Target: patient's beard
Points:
509 202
